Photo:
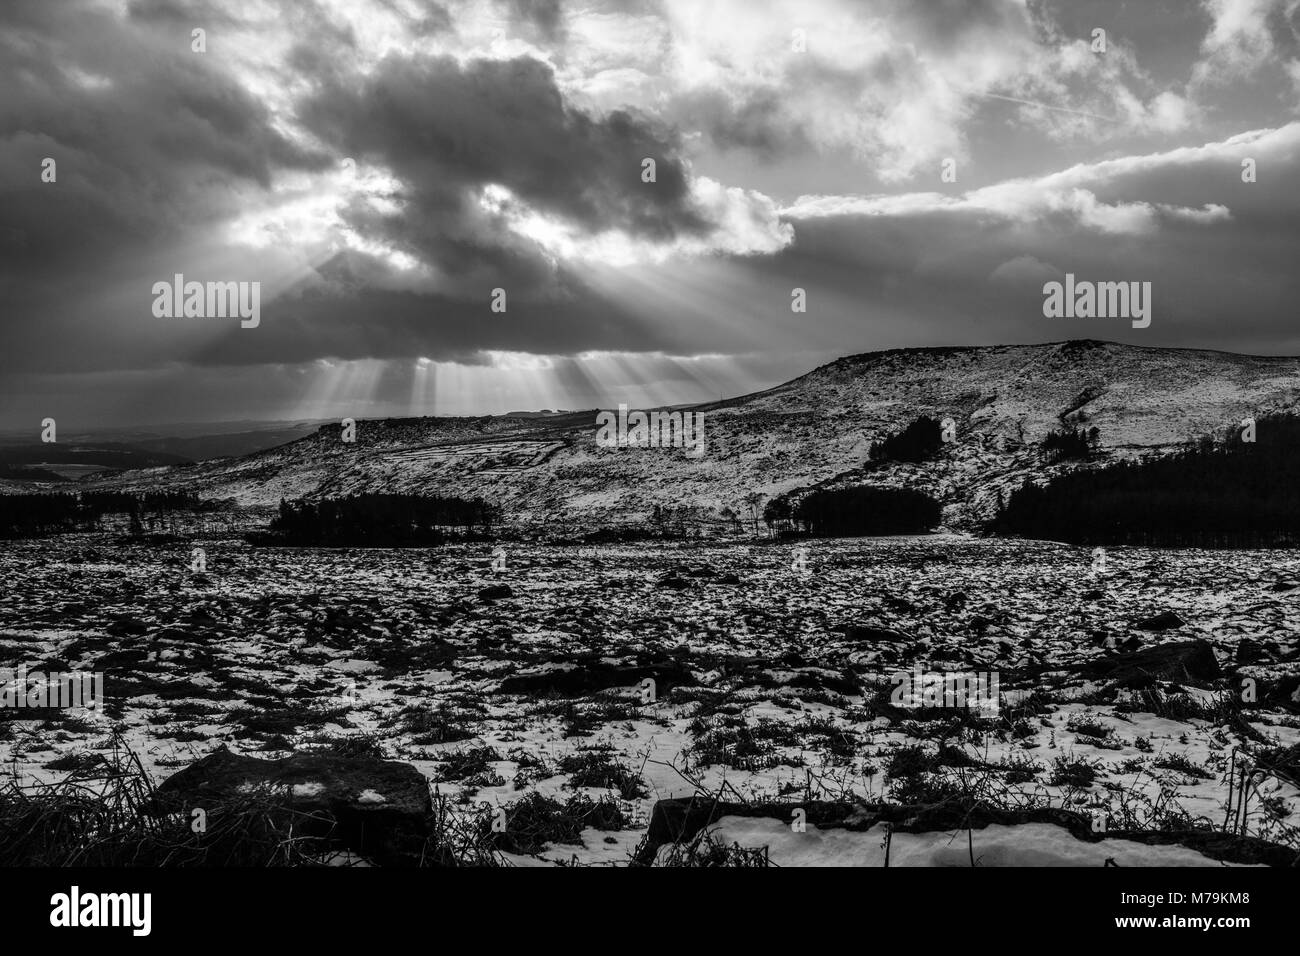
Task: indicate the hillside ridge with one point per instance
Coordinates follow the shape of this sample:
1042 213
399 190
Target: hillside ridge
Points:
812 430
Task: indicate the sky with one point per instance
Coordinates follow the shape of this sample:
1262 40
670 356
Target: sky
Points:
382 167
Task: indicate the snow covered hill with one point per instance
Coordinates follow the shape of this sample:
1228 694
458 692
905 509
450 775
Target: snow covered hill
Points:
814 429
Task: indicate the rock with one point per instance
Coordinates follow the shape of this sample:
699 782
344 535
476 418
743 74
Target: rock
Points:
1191 662
494 592
1164 621
674 583
380 809
1283 692
1249 652
595 675
819 678
202 615
730 577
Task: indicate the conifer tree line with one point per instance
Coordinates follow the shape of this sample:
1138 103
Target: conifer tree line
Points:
858 511
864 509
61 512
1222 492
378 520
915 443
1072 443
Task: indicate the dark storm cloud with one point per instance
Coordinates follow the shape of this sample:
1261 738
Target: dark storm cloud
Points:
150 150
446 129
143 132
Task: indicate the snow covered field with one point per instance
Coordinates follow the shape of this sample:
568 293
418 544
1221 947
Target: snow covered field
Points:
649 671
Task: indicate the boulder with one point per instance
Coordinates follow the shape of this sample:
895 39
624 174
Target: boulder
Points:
820 678
495 592
595 675
1284 692
675 583
126 627
1249 652
380 809
1185 662
899 605
1164 621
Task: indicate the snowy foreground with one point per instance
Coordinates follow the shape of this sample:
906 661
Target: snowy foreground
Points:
650 671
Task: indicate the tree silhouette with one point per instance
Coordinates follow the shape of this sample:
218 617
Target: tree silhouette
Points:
915 443
1213 494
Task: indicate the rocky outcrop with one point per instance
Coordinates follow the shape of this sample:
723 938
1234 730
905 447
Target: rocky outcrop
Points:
380 809
1187 662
